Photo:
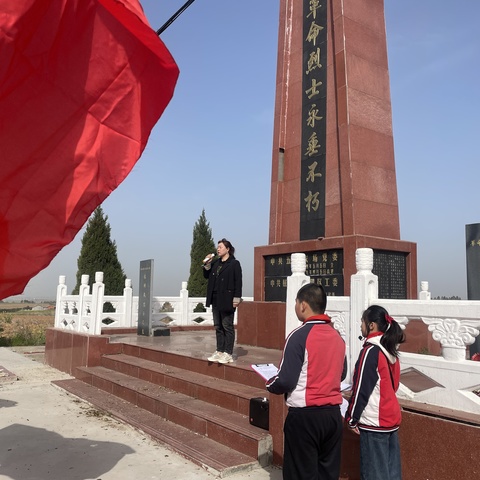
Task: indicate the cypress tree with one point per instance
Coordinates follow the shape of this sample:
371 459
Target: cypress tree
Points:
202 245
99 254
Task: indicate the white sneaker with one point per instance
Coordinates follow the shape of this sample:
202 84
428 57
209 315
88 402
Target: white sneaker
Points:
215 357
225 358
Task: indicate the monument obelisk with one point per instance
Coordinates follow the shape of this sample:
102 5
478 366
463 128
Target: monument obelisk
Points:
333 186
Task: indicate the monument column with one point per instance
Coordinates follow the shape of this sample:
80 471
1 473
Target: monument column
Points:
333 186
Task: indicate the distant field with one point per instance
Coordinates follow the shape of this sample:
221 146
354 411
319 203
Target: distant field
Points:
22 326
26 308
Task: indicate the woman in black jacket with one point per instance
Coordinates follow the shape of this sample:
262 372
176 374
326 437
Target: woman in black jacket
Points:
224 294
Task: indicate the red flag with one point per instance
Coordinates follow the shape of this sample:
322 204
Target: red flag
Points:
82 83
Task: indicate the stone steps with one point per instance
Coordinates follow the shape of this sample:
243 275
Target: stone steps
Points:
227 394
203 416
213 456
236 372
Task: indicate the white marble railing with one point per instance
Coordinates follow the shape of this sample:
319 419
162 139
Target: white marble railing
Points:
453 380
85 312
453 323
450 380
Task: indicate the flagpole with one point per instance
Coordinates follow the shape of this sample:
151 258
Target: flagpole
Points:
174 17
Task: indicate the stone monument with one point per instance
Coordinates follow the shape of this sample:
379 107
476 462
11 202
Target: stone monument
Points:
333 185
145 295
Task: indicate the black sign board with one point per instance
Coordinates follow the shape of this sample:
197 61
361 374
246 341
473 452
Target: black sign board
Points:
314 120
145 298
472 236
323 267
391 269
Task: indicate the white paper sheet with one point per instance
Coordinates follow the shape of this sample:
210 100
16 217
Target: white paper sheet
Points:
265 370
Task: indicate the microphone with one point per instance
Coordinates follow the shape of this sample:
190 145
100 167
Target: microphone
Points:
208 259
360 337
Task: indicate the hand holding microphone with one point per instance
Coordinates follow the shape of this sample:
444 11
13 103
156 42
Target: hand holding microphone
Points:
208 259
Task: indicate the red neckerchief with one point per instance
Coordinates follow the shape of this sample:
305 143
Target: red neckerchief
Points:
374 334
323 318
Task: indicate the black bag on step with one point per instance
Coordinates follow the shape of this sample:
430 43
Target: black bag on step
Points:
259 412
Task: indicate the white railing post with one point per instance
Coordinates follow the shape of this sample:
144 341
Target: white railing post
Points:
83 291
294 282
454 336
184 314
128 304
424 294
98 290
363 292
61 292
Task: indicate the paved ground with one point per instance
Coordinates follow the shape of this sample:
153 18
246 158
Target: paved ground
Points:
46 433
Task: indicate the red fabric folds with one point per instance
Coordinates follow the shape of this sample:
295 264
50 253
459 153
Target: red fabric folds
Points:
82 83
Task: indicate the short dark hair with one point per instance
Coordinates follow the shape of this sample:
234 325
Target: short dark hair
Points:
314 295
231 248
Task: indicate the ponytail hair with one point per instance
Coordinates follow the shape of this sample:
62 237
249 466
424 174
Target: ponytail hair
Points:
392 332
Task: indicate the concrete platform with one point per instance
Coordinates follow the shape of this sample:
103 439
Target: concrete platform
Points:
200 344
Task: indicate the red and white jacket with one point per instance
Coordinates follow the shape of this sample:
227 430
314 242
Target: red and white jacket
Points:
312 364
373 405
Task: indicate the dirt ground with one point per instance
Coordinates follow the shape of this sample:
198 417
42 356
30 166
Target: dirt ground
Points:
47 433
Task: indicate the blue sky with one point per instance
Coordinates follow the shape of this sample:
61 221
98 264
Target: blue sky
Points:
212 147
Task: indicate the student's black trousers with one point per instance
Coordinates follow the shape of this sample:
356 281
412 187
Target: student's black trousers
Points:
313 443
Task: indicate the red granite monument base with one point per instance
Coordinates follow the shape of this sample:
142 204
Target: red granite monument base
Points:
262 323
349 245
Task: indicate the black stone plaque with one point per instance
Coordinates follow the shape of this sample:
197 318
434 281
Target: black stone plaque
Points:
314 120
278 265
145 298
323 267
277 269
391 269
326 268
472 236
275 289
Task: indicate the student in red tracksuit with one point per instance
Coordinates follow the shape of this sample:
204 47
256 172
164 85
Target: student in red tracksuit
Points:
309 375
373 410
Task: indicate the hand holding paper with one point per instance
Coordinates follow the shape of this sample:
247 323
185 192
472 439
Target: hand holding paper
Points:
265 370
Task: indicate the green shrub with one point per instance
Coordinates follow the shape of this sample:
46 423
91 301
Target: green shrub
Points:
200 308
